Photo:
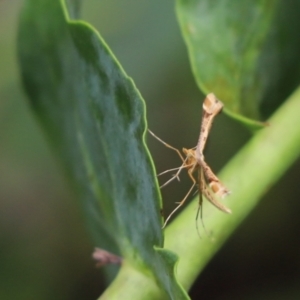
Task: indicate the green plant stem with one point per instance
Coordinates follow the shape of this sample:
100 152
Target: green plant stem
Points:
249 175
132 284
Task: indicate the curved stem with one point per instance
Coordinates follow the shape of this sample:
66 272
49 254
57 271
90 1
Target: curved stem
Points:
248 175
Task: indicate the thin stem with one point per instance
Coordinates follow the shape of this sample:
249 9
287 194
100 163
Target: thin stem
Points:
273 149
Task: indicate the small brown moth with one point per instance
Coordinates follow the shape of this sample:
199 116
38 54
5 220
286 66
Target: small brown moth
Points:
209 184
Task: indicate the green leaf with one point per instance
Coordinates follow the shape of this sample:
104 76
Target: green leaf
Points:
95 118
243 51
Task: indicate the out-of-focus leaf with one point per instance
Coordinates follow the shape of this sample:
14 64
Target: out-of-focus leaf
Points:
243 51
95 117
74 8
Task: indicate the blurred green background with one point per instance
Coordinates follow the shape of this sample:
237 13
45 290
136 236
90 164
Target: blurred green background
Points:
45 249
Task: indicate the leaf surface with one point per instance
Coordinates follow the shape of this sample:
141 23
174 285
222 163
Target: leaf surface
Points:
246 52
95 117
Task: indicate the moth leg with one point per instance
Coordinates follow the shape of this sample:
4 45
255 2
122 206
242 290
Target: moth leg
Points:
167 145
183 166
190 172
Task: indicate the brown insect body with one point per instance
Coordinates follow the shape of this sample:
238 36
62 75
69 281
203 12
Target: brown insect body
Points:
208 183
